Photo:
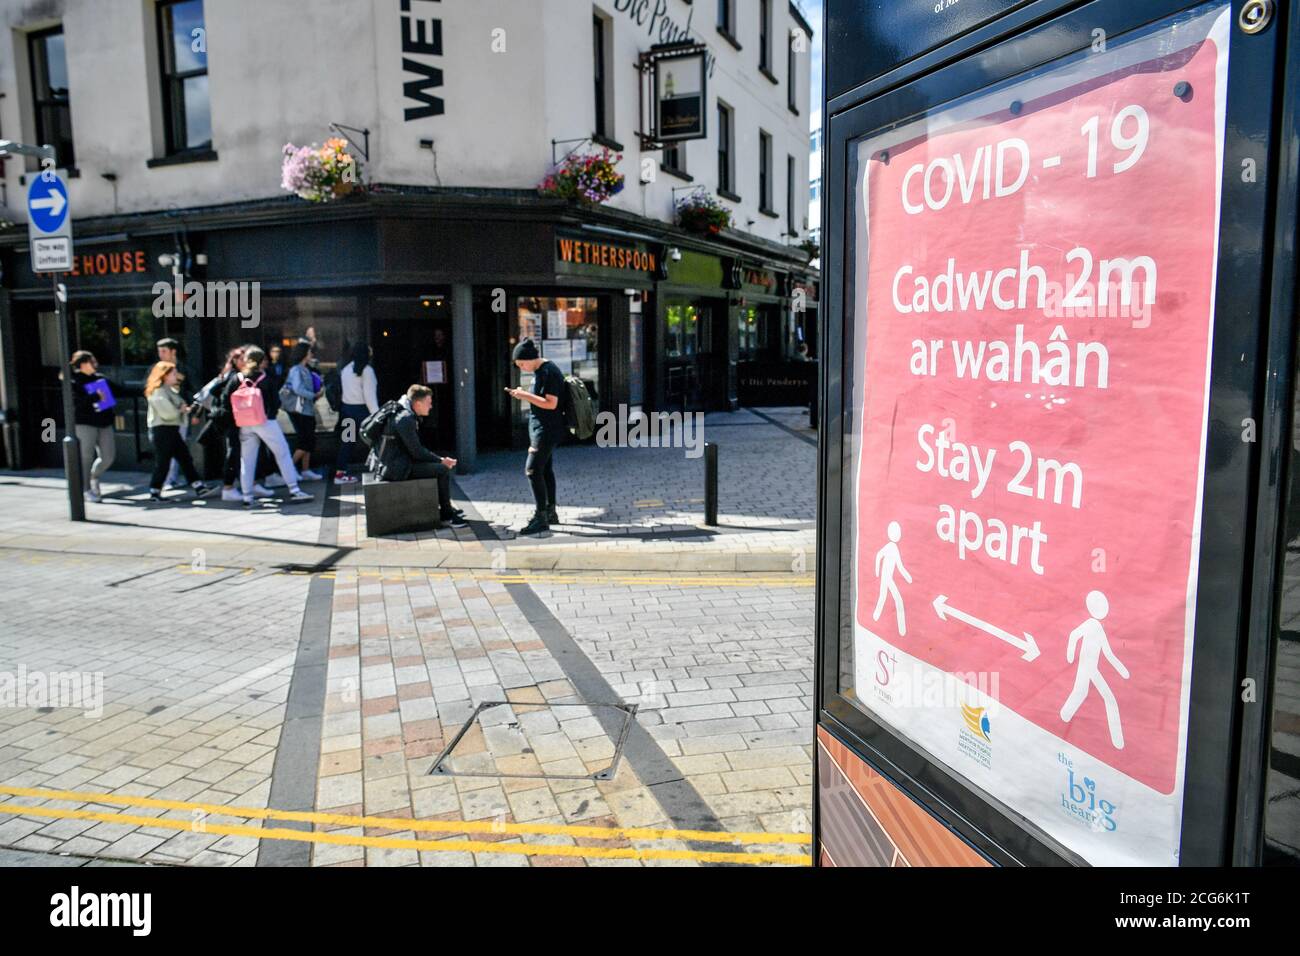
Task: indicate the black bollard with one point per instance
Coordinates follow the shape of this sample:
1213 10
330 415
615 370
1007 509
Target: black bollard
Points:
710 483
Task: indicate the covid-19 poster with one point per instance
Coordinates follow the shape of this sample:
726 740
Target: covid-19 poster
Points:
1034 304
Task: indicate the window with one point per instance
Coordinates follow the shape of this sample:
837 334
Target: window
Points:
791 77
747 334
815 141
598 52
183 54
764 171
814 190
789 196
765 36
724 148
50 93
726 16
682 331
568 332
675 158
1282 809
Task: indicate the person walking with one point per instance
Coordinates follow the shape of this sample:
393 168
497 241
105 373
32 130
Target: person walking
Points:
360 398
166 412
221 419
298 396
546 430
403 457
276 367
254 404
92 405
169 350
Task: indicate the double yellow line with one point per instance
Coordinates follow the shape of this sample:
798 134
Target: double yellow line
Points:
200 811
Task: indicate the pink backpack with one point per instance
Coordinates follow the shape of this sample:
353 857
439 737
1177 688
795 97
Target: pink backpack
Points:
246 403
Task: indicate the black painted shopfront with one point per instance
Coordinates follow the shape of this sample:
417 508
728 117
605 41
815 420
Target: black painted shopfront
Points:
441 285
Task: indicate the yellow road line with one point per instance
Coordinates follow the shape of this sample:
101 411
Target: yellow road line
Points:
397 843
398 823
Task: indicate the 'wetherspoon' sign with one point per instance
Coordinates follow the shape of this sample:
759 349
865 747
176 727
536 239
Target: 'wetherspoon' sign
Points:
604 254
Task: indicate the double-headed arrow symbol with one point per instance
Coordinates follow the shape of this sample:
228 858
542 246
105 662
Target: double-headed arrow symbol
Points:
1026 644
54 202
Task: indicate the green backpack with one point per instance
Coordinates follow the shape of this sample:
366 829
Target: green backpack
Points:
579 410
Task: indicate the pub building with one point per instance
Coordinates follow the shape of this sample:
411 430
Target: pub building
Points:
440 283
445 250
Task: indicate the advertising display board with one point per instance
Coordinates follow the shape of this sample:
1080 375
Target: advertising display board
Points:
1034 304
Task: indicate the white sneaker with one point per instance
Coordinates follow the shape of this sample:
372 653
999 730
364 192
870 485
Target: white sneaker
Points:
96 493
231 494
310 475
300 495
259 491
94 497
275 481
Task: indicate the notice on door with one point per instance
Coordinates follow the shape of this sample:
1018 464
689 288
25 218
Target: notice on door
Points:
1034 305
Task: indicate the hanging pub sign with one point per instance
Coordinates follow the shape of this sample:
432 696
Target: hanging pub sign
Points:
680 94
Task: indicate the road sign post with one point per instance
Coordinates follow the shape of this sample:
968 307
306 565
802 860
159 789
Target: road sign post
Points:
49 228
71 446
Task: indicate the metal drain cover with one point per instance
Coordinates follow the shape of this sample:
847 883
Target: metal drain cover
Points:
508 739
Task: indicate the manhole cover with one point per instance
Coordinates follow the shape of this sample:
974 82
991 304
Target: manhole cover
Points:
538 741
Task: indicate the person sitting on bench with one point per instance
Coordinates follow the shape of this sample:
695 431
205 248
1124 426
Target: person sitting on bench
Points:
403 457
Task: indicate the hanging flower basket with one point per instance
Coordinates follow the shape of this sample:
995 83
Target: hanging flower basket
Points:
699 212
320 173
589 178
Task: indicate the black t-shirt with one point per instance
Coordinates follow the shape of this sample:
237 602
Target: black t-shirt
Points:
548 380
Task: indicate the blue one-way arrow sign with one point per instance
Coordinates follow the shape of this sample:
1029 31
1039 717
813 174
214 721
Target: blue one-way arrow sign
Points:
47 203
49 222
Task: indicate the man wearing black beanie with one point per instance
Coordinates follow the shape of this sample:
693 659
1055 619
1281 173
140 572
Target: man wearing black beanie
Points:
545 430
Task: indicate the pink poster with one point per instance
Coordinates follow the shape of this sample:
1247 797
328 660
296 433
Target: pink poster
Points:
1038 303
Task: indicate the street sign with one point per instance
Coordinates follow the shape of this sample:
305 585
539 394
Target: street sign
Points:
49 219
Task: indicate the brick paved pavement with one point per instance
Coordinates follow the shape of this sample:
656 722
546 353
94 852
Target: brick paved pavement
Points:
193 686
621 507
720 670
412 656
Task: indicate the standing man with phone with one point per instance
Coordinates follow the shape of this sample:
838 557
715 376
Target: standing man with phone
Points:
545 431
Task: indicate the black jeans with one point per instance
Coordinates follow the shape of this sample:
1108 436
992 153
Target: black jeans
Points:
355 414
168 444
540 469
230 468
436 469
304 432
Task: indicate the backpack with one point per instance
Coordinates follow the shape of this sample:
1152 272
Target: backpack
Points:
247 404
292 401
579 410
376 423
334 389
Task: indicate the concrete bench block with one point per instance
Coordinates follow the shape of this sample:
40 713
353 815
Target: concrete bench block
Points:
401 507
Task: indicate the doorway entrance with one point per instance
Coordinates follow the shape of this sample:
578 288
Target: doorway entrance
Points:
410 338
